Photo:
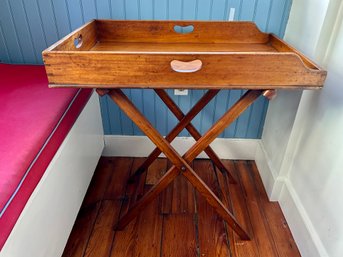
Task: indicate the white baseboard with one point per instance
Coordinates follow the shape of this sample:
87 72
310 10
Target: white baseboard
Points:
141 146
280 189
302 228
272 183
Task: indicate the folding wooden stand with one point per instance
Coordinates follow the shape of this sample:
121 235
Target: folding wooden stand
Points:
109 55
181 163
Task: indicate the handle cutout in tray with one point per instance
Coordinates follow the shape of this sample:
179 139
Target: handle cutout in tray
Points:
78 41
186 67
183 29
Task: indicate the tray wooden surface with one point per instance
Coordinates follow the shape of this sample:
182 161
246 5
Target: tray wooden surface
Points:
177 54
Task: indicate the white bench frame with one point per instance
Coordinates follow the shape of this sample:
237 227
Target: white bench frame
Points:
43 227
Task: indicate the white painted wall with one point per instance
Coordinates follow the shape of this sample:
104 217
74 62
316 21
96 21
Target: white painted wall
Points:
312 165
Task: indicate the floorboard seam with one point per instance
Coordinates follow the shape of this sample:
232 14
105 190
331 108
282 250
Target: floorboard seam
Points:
120 210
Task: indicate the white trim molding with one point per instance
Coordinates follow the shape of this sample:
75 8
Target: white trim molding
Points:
303 230
141 146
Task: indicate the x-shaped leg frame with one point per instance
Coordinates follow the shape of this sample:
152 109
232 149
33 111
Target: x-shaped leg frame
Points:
184 122
181 164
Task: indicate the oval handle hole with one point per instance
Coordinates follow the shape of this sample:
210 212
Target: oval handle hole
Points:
183 29
186 67
78 41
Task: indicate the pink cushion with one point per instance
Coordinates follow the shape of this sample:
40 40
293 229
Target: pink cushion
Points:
34 122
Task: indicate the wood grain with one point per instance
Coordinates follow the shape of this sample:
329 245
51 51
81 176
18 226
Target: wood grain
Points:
261 230
179 228
173 107
135 189
156 171
181 163
118 180
281 233
129 243
100 241
157 235
89 39
172 47
184 122
163 31
100 182
212 235
137 54
81 232
182 196
238 204
142 70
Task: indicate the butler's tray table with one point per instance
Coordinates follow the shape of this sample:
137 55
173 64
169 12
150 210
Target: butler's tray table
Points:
110 55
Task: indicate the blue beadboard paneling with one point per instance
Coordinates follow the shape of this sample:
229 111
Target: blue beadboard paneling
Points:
75 12
132 9
262 13
29 26
23 32
10 33
61 17
105 116
160 9
103 8
4 52
218 10
203 10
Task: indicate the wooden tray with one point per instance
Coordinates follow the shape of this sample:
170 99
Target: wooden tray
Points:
177 54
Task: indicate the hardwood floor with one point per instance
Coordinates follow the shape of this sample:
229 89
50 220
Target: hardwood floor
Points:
179 222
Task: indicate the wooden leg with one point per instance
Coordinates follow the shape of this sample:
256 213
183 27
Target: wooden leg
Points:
194 132
233 113
184 122
181 164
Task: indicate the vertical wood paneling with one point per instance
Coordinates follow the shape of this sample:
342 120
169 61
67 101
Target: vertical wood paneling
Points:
89 9
22 31
36 27
189 8
75 13
276 16
46 17
9 33
203 12
172 121
115 117
136 97
286 12
147 9
103 8
263 7
131 9
237 4
175 9
61 17
4 53
218 9
247 10
105 115
118 9
160 115
29 26
231 130
160 9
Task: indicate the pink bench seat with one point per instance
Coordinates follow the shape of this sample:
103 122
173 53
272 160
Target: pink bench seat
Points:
34 120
